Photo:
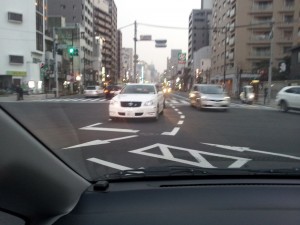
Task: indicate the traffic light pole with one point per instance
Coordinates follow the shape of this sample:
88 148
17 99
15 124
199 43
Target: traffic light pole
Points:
55 63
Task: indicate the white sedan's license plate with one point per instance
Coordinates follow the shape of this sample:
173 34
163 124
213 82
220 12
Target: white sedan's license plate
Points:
129 113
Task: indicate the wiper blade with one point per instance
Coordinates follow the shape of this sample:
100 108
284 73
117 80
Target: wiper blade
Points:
184 171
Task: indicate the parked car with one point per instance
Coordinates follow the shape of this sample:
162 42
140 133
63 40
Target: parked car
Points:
112 90
288 98
137 101
93 91
247 95
210 96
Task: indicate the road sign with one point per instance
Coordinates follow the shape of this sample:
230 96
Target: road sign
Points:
145 38
181 58
160 43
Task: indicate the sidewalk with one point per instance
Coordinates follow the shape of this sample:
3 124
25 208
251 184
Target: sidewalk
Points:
27 98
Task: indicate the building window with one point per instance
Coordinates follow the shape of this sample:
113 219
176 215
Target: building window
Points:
15 17
288 18
16 59
286 49
39 22
39 42
298 60
62 6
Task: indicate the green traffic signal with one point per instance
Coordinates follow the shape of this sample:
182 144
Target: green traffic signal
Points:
71 51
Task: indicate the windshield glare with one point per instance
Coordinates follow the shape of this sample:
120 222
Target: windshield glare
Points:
211 90
121 85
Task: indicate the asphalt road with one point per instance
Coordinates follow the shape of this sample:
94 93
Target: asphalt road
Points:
79 131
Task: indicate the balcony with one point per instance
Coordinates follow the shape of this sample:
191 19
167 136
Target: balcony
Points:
231 56
262 9
232 13
231 41
287 8
260 55
259 39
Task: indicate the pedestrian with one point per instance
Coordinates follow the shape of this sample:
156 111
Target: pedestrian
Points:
265 94
19 91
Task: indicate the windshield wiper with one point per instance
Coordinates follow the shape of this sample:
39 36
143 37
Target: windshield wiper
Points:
185 171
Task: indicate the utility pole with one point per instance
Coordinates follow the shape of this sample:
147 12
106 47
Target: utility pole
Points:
135 56
224 79
270 63
55 62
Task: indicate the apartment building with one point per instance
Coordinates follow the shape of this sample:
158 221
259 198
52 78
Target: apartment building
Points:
22 34
246 33
199 23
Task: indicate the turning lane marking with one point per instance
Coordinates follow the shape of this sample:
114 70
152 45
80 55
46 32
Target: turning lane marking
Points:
92 127
100 142
246 149
172 133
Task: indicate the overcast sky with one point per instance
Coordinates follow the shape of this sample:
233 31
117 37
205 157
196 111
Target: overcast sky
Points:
157 12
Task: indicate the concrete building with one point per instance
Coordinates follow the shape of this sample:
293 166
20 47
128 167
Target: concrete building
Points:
202 64
102 27
199 23
79 15
241 39
114 39
126 64
119 52
22 34
206 4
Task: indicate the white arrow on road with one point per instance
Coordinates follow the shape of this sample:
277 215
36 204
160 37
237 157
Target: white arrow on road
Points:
100 142
172 133
93 127
246 149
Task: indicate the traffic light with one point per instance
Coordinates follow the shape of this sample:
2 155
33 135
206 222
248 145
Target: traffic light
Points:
75 52
71 51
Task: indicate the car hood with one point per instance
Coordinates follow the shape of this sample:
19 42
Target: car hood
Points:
215 96
134 97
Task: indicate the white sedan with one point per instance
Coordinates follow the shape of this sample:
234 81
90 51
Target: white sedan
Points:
137 101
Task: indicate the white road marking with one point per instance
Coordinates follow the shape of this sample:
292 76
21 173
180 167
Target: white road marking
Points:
182 117
172 133
92 127
180 122
109 164
180 113
246 149
198 155
100 142
176 110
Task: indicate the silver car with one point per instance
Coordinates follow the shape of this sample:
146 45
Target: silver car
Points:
93 91
209 96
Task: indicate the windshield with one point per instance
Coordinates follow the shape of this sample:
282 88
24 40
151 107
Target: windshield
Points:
164 55
138 89
211 89
91 88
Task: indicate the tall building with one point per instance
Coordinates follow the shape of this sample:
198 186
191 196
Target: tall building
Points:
126 64
79 14
199 22
119 52
102 27
114 33
245 43
206 4
22 34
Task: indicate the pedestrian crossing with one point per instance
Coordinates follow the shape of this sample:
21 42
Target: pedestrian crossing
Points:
169 101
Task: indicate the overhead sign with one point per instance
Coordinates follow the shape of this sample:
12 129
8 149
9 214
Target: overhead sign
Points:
181 58
160 43
145 38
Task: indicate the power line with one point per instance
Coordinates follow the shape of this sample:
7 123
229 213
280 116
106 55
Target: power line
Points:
218 28
129 25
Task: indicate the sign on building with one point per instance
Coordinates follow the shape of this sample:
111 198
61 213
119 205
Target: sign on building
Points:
145 38
181 58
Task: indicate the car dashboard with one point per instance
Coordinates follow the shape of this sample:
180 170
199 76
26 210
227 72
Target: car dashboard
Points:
189 202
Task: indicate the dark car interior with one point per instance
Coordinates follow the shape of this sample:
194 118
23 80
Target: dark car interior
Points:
37 188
